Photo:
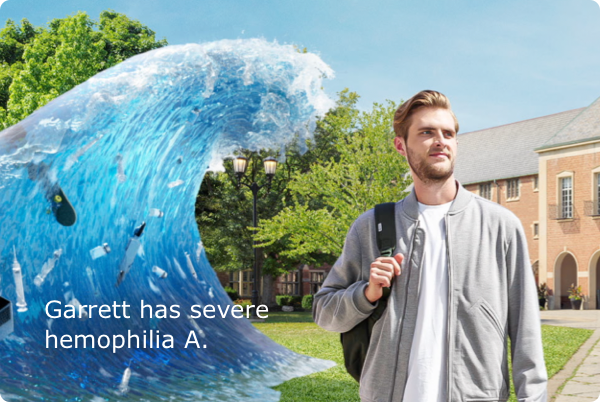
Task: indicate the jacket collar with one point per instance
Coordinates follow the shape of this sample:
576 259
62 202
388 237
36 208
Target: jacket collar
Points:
410 204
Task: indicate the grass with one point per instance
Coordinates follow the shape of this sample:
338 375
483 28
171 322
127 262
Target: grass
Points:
298 332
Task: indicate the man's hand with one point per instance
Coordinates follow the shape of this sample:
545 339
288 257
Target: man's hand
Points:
383 270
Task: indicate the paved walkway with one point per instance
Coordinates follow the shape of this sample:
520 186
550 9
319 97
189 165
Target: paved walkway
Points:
584 366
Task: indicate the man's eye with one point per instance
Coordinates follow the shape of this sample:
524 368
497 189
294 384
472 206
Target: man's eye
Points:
426 132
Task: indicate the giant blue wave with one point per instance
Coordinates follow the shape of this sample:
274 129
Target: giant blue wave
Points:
131 145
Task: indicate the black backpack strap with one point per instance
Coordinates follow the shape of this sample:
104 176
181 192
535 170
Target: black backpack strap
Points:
385 221
355 342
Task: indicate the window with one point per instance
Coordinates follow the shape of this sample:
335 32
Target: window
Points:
242 281
566 197
289 284
234 280
316 281
535 183
512 189
592 207
536 230
597 182
485 190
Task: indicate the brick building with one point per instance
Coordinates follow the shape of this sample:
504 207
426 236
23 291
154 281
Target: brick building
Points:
305 280
547 171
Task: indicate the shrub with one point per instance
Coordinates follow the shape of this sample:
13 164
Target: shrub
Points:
296 301
307 302
232 293
284 300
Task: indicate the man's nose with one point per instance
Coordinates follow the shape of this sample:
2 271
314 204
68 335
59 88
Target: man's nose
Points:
439 140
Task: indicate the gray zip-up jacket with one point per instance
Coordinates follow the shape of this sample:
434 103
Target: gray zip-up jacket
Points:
491 296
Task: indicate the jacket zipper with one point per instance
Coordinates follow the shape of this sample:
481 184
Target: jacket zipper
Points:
412 249
449 313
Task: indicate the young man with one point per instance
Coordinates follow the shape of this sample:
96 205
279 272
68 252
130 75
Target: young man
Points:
462 283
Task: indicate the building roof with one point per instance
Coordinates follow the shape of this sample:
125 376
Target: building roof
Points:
584 127
507 151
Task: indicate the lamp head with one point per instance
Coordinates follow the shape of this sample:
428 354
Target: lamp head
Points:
270 166
240 163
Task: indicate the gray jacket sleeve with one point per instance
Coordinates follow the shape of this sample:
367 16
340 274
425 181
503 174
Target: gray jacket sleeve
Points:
524 326
341 303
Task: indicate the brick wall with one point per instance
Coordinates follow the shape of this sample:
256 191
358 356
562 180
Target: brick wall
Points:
579 236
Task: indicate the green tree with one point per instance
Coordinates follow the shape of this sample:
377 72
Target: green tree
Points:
13 39
57 60
124 38
327 199
224 212
224 216
39 64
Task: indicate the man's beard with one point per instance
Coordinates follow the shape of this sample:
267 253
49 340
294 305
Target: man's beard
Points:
427 173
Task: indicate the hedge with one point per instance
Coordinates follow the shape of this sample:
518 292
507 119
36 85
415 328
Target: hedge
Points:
307 302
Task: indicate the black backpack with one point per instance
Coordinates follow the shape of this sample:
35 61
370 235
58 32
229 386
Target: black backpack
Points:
355 342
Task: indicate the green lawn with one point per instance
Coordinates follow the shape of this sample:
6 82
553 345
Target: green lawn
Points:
297 332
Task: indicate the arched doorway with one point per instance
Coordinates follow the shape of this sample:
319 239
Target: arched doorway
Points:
595 280
565 274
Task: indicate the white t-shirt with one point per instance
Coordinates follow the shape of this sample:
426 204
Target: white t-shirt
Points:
428 355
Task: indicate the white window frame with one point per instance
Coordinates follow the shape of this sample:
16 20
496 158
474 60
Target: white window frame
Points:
518 189
564 213
533 226
535 183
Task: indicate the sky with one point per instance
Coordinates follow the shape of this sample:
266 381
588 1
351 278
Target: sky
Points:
499 62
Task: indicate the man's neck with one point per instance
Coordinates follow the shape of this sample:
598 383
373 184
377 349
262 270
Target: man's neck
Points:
436 193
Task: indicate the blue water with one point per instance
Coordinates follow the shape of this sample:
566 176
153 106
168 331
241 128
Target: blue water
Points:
135 138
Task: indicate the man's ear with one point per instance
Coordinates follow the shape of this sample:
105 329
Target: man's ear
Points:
400 145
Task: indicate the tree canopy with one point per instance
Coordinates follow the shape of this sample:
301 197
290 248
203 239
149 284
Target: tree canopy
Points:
37 64
326 200
224 210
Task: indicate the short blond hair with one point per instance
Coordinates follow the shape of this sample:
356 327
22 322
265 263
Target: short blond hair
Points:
426 98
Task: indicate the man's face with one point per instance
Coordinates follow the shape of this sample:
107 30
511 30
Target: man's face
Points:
431 145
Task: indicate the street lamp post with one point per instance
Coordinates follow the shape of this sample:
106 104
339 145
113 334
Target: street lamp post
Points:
240 163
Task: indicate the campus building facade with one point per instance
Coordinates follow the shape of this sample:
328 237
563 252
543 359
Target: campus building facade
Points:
547 171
